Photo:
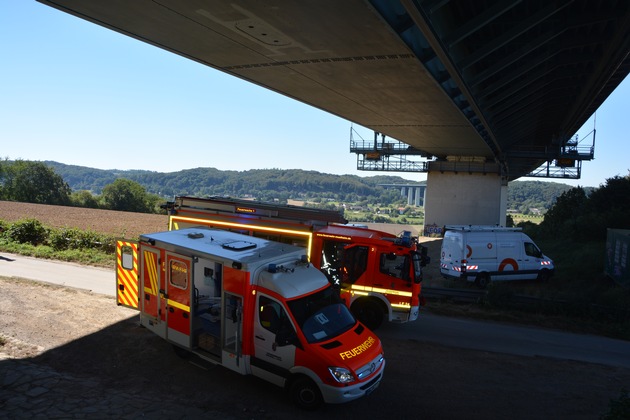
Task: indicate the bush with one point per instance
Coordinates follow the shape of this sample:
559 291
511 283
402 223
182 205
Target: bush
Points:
3 227
71 238
27 231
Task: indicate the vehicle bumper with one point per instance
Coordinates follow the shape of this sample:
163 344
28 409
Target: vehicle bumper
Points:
405 316
451 273
338 395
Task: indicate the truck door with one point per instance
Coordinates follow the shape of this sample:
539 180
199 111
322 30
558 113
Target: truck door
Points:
531 260
127 274
271 360
232 320
178 293
151 282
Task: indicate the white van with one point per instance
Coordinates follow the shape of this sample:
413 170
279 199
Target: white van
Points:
487 253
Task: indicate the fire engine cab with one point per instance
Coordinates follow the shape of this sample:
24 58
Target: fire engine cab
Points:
378 274
253 306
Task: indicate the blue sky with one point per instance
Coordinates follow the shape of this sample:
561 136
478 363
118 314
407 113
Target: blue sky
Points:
80 94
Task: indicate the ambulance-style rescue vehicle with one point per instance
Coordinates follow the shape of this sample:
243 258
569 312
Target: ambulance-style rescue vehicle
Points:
482 254
253 306
378 274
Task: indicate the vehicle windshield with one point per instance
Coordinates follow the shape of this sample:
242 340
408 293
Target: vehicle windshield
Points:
321 316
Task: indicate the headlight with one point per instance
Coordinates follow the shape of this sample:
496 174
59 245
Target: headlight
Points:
341 375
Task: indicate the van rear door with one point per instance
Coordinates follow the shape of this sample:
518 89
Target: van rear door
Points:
178 293
127 274
451 254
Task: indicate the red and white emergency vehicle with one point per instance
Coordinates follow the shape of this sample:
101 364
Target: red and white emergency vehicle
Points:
252 305
482 254
379 274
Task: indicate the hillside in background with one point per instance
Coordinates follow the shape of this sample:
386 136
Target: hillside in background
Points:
262 184
284 184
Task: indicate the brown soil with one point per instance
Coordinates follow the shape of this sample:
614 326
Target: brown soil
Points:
118 223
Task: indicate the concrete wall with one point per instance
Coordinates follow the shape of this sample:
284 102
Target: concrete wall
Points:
463 198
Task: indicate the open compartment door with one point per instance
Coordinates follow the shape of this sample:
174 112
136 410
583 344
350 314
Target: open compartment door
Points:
127 274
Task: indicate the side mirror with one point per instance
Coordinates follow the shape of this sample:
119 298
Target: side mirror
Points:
286 335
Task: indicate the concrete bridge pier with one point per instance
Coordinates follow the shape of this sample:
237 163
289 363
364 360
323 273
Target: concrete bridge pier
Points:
465 198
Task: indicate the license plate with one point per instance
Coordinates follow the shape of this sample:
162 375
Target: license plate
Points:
372 388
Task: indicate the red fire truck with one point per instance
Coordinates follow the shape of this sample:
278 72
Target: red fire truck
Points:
253 306
378 274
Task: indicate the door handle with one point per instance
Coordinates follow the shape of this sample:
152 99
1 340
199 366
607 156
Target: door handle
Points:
260 337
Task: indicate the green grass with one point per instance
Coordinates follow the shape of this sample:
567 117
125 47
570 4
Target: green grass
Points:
81 256
519 217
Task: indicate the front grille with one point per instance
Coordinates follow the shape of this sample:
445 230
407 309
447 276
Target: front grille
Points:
371 367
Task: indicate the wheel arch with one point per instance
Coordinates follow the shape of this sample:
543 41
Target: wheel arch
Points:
370 311
305 375
379 300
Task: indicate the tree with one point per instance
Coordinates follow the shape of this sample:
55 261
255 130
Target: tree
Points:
126 195
609 206
577 216
569 205
615 194
33 182
84 198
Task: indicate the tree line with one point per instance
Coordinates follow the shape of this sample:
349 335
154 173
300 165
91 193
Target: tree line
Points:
262 184
284 184
582 215
137 190
36 182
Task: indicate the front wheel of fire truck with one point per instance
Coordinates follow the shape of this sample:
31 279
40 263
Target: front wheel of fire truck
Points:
368 312
305 393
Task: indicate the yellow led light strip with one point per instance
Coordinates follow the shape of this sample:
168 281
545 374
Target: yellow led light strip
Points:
383 291
174 219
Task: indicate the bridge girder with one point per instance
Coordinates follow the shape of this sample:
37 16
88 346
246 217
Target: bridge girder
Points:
449 78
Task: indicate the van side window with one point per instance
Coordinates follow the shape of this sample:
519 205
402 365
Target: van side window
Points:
532 250
127 257
179 274
270 313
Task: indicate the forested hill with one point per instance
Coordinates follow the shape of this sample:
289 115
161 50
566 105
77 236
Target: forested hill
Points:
262 184
269 184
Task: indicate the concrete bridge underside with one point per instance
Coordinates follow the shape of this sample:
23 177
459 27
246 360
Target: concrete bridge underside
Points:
488 89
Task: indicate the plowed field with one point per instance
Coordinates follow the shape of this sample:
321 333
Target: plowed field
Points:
118 223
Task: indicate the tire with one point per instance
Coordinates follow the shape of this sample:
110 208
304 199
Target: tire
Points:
369 313
305 394
543 276
483 280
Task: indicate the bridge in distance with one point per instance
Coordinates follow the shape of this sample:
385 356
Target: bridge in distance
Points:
475 93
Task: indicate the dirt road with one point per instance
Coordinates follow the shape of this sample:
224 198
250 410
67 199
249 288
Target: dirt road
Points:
84 338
